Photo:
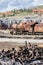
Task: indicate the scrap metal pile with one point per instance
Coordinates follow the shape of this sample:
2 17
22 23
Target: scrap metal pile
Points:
26 55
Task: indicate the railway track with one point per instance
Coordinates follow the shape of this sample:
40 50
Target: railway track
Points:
6 34
21 36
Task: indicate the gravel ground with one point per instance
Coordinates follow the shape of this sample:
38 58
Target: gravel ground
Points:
10 45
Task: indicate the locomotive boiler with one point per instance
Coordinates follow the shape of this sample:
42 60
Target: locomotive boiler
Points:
23 28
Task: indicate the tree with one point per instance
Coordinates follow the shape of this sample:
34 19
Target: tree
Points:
29 10
4 15
21 10
25 9
14 10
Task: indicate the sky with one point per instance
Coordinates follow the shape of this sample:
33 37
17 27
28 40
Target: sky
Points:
6 5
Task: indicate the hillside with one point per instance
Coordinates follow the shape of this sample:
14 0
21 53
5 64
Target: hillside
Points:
38 7
21 12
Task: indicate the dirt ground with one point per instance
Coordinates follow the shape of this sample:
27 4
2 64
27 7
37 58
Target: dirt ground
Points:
9 45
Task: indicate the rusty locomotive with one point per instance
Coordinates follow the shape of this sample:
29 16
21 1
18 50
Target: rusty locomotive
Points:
24 27
27 28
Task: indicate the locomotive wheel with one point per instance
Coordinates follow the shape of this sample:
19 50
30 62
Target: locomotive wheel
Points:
36 54
31 54
18 62
11 32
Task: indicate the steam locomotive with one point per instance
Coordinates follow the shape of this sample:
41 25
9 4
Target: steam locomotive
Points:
27 28
23 27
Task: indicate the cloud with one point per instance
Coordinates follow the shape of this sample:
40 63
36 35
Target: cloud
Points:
6 5
37 2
